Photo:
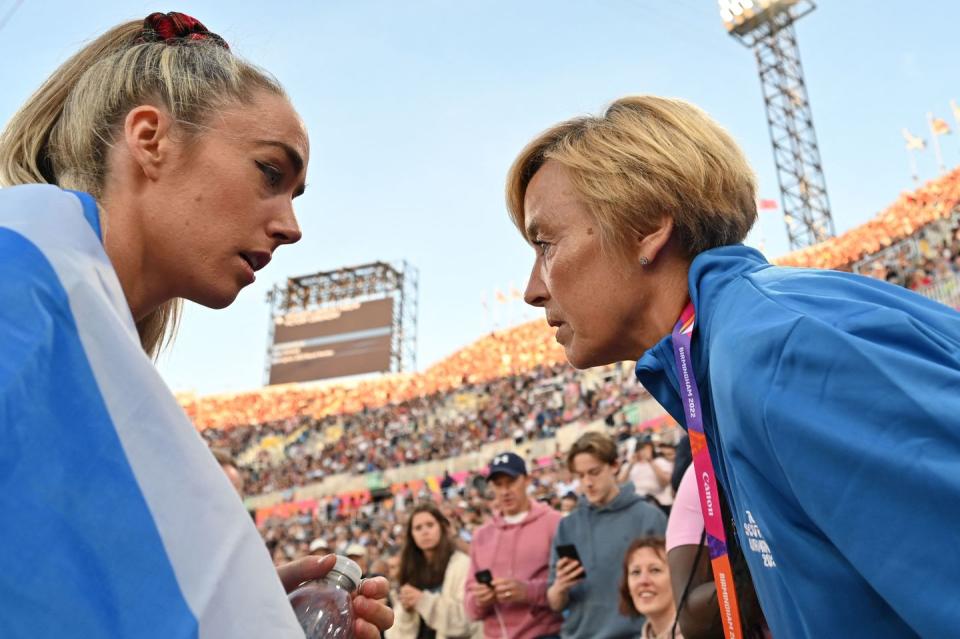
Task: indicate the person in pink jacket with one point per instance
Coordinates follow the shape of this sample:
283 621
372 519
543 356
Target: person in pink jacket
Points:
511 554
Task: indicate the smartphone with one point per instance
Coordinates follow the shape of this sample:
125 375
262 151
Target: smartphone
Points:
483 577
570 552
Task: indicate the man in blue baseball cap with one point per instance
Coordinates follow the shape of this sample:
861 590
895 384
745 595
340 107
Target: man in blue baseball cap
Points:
510 559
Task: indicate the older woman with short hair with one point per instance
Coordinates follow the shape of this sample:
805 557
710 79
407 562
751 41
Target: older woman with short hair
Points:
817 401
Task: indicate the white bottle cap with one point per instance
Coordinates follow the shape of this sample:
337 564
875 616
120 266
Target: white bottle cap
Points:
348 568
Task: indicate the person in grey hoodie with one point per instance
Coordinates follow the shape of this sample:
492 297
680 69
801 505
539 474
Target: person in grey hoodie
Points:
608 518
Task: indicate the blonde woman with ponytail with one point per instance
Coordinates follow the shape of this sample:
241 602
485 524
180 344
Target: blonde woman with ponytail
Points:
152 166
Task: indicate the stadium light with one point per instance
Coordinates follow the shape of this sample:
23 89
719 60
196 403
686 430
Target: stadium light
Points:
767 26
740 17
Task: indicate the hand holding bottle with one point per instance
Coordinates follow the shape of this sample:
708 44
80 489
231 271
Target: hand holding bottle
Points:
371 617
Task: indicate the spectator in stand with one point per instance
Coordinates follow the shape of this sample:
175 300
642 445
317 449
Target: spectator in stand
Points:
566 483
919 279
229 468
645 588
568 503
682 458
359 554
515 549
319 547
820 396
392 561
608 517
878 271
649 474
447 482
433 575
393 565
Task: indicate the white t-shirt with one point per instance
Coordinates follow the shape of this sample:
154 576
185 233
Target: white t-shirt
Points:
516 519
562 487
645 480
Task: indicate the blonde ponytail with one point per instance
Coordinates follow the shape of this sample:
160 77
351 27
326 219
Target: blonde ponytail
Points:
64 131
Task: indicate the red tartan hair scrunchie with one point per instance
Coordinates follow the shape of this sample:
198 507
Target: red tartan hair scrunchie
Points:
174 27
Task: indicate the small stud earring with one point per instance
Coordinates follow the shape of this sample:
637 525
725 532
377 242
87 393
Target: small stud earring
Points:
644 261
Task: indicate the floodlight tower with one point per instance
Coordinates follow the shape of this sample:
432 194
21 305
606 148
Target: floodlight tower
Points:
766 26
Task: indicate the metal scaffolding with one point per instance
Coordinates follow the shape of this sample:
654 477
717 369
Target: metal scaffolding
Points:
803 190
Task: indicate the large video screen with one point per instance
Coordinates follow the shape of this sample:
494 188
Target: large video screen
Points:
351 339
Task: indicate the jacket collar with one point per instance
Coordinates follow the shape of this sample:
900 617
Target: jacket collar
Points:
710 274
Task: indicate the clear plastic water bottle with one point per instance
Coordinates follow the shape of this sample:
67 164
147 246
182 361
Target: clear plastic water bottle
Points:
325 607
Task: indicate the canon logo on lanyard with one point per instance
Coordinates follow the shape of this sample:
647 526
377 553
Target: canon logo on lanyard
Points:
706 491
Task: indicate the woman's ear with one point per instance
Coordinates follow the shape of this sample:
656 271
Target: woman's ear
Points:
649 245
146 132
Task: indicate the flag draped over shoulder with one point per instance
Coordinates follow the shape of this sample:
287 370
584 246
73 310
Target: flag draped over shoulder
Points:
117 522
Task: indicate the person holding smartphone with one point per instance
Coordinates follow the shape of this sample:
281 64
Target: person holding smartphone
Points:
591 541
509 559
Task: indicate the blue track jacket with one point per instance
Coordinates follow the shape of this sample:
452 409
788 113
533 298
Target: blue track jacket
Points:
831 403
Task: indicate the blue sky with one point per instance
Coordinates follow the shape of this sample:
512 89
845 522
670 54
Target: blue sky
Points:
416 109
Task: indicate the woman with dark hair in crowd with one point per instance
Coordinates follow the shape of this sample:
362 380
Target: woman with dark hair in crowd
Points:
645 588
432 578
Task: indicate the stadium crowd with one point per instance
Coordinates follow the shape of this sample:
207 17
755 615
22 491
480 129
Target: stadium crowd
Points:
913 211
500 354
923 261
300 449
379 535
375 525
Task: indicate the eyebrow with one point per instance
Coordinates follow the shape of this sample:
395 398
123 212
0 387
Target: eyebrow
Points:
533 229
292 154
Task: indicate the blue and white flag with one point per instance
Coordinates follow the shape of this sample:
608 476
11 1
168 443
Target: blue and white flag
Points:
115 520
